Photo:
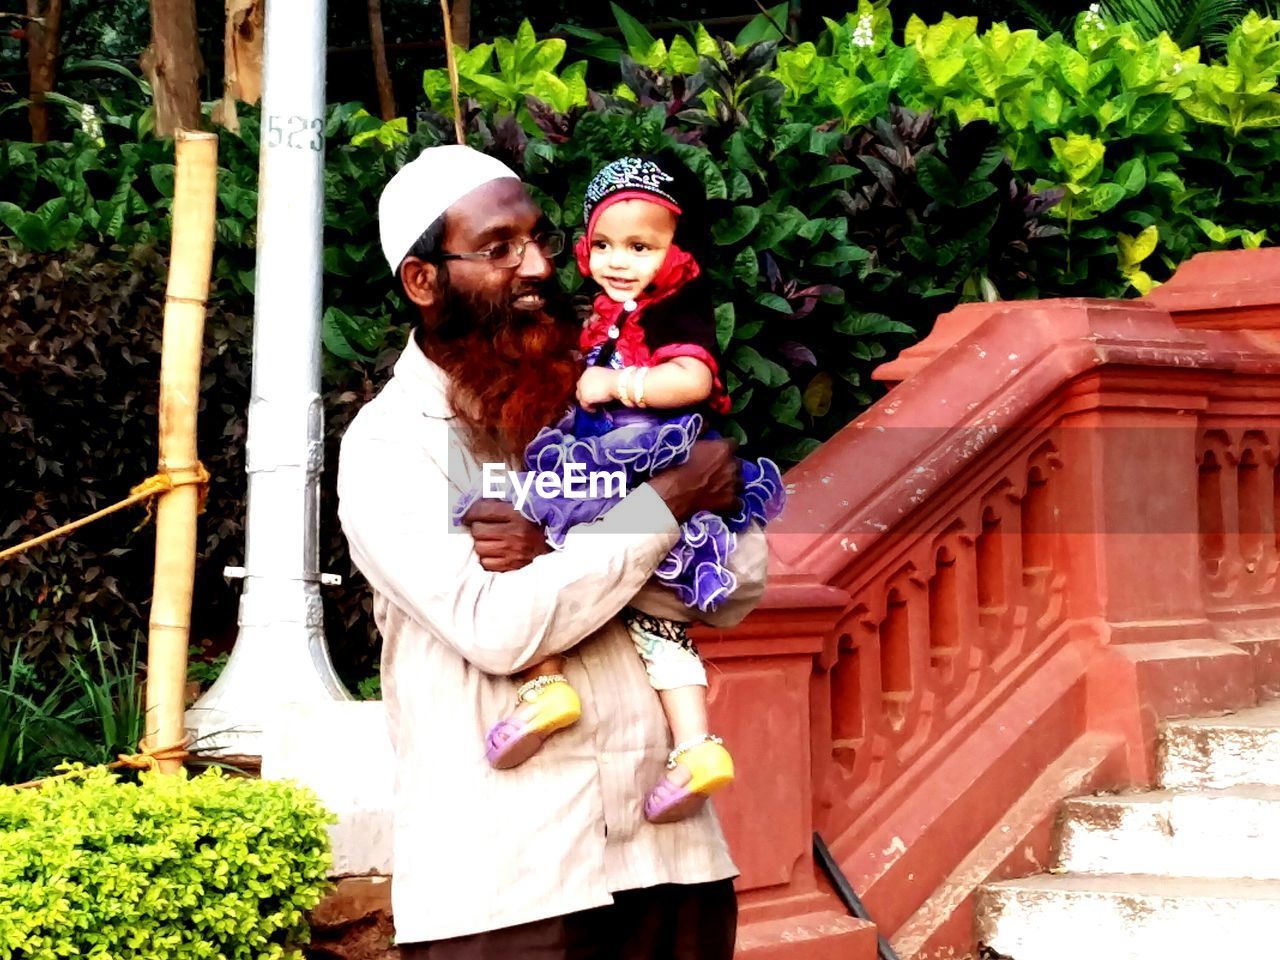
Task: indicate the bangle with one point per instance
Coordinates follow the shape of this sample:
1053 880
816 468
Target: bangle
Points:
624 386
639 385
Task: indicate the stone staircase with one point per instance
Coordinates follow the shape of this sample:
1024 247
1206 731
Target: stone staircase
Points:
1186 872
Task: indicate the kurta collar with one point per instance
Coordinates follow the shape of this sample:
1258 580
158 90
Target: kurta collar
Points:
426 383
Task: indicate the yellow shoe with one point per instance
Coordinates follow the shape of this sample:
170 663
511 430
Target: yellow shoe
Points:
710 769
513 741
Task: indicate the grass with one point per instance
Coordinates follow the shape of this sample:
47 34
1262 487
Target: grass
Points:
92 712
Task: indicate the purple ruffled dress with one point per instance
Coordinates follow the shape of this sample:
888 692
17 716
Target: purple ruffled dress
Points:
640 444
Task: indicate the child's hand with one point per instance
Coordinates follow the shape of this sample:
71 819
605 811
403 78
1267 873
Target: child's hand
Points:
597 385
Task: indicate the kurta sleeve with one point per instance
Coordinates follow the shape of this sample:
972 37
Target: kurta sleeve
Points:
394 504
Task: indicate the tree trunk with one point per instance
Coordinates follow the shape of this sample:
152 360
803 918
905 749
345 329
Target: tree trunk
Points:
461 17
42 62
242 60
172 63
386 94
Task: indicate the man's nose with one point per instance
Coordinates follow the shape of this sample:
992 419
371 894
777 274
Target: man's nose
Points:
534 264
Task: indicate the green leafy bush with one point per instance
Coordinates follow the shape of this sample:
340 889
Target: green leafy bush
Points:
81 332
169 867
79 367
1138 132
826 249
524 66
505 72
109 182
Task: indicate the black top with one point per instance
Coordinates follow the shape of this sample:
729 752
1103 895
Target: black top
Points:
684 317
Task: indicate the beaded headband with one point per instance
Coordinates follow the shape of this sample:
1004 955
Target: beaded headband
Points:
630 175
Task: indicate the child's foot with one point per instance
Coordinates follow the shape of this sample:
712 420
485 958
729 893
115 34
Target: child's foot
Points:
547 704
697 768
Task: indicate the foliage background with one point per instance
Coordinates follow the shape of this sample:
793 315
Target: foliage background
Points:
860 183
119 30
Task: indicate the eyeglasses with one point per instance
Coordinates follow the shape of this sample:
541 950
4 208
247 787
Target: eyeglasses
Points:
510 253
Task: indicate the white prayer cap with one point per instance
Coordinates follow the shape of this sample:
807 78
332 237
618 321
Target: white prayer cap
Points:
425 188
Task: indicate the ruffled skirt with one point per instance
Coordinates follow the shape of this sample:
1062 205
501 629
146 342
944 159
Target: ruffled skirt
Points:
638 444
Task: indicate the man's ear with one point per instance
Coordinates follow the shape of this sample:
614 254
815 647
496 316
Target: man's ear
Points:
418 277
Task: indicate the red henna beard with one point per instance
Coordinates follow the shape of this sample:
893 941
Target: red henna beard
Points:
511 372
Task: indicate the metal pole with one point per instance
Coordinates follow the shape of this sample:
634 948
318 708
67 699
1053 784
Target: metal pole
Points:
280 655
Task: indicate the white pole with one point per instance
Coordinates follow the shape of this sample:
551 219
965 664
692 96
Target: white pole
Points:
280 655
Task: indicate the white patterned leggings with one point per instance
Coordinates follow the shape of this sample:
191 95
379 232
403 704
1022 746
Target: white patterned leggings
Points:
669 655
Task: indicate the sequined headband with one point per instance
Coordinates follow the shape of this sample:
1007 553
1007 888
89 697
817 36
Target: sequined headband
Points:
630 174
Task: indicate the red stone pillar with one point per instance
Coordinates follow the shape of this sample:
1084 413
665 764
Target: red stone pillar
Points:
761 703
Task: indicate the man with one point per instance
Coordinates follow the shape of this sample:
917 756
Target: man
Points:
553 859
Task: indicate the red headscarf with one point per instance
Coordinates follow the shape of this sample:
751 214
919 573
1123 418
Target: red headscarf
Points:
678 268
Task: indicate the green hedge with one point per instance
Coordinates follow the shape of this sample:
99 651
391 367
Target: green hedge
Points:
167 868
79 366
1121 158
869 179
1140 135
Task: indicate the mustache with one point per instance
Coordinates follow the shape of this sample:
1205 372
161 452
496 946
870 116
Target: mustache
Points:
548 292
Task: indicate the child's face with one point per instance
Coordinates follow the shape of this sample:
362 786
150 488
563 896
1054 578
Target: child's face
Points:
628 246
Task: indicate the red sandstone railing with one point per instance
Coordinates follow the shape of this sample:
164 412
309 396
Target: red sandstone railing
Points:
987 589
1236 309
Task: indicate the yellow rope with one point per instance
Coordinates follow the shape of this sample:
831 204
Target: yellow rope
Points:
146 758
156 484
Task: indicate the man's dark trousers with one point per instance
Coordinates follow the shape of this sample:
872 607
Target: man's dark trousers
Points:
669 922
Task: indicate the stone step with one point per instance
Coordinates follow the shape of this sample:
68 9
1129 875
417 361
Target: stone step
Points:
1216 752
1128 917
824 935
1234 832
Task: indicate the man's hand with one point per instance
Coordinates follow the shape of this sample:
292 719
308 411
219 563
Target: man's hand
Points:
597 385
709 480
504 539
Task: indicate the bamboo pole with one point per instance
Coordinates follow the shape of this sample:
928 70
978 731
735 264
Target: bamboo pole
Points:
190 265
452 66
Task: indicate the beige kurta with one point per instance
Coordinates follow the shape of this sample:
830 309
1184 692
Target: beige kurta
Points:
480 849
